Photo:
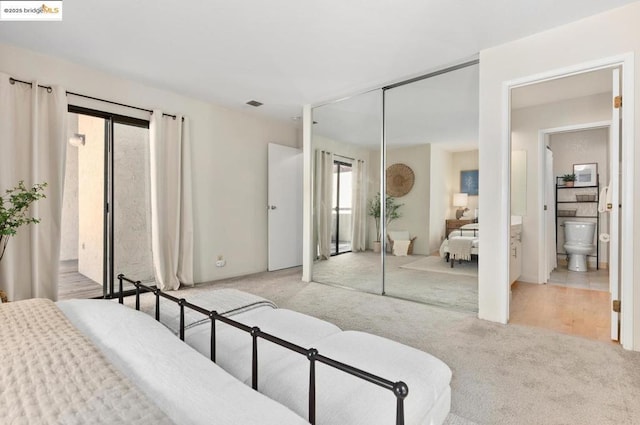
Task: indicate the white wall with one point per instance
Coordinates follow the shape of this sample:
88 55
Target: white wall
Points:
441 192
132 202
91 198
526 124
609 34
463 161
69 224
229 157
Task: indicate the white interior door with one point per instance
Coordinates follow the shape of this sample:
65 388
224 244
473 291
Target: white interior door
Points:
550 216
284 206
614 220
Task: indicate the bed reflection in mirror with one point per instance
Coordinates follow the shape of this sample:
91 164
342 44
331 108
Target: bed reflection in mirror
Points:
430 141
432 128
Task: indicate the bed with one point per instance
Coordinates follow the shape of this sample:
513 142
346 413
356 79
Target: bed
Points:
282 371
101 362
98 362
468 235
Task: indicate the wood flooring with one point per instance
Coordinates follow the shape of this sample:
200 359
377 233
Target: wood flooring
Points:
72 284
574 311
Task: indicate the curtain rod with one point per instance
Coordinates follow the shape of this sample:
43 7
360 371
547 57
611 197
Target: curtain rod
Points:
344 157
49 90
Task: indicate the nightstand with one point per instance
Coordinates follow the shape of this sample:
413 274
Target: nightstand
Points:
453 224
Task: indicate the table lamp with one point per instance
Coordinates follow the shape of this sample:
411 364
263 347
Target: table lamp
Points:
460 200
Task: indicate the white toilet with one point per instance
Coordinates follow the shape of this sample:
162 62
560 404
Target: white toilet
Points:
578 237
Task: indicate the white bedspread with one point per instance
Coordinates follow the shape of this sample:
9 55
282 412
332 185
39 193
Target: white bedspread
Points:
51 374
234 347
427 377
227 302
187 386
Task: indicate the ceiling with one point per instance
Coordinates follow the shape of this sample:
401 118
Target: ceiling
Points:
585 84
442 109
284 53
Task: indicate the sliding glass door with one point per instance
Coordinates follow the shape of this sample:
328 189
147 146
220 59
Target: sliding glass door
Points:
341 217
82 250
131 211
106 219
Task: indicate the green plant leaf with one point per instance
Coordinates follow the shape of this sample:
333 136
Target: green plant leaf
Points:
14 210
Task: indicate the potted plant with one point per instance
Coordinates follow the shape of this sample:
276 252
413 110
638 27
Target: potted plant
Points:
14 207
391 213
569 179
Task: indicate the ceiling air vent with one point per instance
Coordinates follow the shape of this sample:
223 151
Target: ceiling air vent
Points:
254 103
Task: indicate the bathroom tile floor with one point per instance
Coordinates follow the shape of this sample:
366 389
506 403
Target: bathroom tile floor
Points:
595 280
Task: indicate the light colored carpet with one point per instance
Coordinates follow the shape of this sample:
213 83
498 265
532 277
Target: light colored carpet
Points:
363 271
501 374
453 419
439 265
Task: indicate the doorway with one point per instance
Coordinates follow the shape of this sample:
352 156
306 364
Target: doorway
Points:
341 208
106 209
577 287
284 208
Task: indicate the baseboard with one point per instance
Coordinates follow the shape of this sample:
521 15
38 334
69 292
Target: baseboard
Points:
527 279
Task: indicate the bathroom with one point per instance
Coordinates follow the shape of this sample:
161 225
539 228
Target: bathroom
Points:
581 227
564 127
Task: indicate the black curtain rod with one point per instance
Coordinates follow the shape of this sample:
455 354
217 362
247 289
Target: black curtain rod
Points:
49 90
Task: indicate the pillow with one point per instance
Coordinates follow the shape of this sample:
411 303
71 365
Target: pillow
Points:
399 235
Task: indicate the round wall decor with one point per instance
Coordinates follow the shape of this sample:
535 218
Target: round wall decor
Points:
400 180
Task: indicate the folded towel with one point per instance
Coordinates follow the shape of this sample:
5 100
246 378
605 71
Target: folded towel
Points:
605 199
460 248
400 248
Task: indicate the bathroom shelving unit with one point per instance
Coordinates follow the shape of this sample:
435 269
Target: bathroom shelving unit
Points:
585 190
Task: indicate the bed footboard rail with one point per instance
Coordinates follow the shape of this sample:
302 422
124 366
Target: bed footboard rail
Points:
399 389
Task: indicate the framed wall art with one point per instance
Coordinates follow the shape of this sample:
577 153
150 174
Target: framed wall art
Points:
469 182
586 174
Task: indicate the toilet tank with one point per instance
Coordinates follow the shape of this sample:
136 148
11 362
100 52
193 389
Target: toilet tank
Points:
579 232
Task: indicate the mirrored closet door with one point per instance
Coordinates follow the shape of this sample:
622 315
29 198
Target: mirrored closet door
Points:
395 190
346 141
431 139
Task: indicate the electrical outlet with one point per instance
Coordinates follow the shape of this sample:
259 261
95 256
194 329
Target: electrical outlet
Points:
221 261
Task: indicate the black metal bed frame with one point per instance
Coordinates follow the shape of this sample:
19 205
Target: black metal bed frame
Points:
399 389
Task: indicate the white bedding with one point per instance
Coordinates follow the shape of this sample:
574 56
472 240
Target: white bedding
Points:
226 302
234 347
341 399
189 388
52 374
283 375
468 231
427 377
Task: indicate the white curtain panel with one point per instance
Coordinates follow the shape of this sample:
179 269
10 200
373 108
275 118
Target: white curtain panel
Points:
33 149
171 201
358 206
324 198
